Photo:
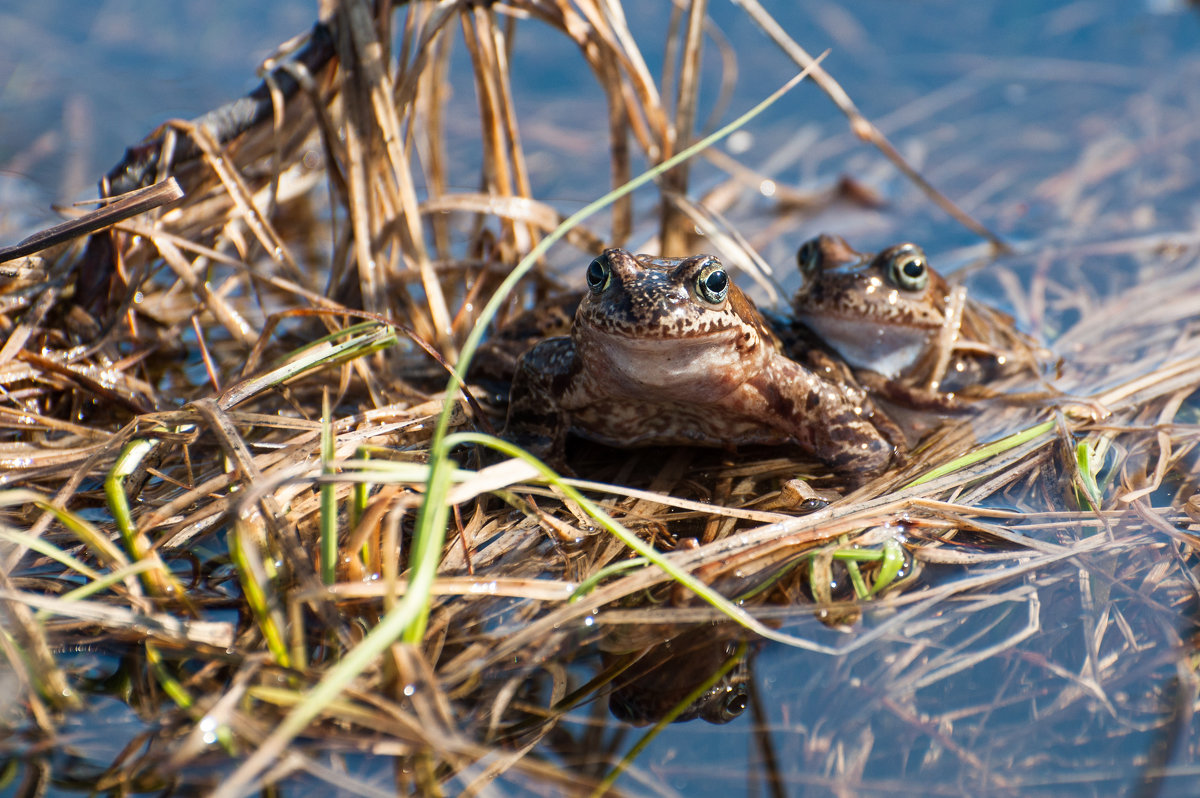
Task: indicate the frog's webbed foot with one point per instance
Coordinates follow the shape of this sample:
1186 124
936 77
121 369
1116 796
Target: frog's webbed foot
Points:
536 422
913 396
1082 408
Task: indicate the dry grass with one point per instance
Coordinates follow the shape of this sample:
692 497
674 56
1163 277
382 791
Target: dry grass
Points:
219 409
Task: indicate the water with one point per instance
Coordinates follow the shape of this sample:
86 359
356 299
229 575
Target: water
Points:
1055 123
80 81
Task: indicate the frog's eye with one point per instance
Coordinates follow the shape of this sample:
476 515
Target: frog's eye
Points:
713 283
735 704
809 256
908 269
729 706
598 275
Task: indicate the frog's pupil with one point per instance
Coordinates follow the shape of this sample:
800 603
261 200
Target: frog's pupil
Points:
596 274
914 268
806 257
717 282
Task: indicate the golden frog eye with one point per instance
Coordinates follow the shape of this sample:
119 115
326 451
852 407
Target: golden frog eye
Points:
908 269
809 256
712 283
598 274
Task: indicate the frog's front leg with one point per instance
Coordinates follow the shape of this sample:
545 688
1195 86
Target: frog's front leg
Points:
836 421
852 435
536 421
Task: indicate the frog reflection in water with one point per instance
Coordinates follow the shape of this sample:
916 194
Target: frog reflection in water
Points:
669 351
667 673
909 337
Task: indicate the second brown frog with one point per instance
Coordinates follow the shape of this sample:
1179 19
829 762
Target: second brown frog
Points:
669 351
907 334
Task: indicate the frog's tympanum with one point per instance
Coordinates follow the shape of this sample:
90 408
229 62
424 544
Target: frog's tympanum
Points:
895 321
669 351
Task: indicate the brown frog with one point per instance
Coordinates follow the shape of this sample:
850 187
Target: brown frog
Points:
669 351
908 335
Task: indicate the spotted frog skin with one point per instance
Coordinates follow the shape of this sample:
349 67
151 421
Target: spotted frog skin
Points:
900 327
667 351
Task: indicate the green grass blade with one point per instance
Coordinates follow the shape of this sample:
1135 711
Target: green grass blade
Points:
100 583
255 587
889 569
589 584
49 550
984 453
329 528
158 582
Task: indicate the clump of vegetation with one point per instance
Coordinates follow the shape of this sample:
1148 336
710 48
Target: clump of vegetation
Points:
250 489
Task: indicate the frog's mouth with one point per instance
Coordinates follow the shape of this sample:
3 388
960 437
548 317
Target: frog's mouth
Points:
700 367
888 349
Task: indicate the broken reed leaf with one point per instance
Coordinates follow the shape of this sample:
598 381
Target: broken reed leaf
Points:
117 209
330 339
311 359
534 589
666 500
161 626
394 472
518 209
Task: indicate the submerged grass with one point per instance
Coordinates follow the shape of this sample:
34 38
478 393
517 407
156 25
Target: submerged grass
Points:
295 569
